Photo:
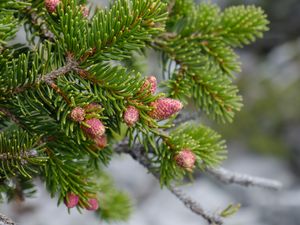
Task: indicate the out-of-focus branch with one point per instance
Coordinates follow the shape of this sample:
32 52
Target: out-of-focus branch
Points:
185 117
138 154
4 220
195 207
229 177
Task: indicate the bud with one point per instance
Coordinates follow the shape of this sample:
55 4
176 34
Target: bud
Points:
92 107
92 204
78 114
85 10
71 200
164 108
131 115
51 5
95 129
185 159
150 83
101 142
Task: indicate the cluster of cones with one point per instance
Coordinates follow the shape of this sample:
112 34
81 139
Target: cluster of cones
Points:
90 124
71 200
163 107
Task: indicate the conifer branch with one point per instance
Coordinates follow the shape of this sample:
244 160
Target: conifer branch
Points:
25 154
138 154
36 21
11 116
49 78
229 177
4 220
185 117
195 207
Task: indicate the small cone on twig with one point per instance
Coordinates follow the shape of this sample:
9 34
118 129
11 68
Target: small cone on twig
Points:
164 108
131 115
93 127
186 159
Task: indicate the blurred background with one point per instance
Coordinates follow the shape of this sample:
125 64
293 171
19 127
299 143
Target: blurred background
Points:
264 140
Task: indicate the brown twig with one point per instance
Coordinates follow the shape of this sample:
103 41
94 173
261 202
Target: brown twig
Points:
48 78
11 116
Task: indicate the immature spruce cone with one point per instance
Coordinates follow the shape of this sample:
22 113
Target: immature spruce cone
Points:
101 141
92 204
164 108
85 10
151 83
96 128
185 159
78 114
131 115
51 5
71 200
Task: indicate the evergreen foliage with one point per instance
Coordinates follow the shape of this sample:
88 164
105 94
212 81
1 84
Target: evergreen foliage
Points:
73 60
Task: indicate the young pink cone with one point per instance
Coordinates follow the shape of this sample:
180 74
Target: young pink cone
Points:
51 5
85 10
185 159
96 128
71 200
131 115
92 204
152 82
164 108
101 142
78 114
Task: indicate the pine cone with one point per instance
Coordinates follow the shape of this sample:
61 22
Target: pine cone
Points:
71 200
164 108
85 10
93 204
78 114
152 82
101 142
95 129
51 5
185 159
131 115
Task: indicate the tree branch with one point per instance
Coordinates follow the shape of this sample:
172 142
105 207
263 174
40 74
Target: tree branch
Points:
4 220
40 24
49 78
185 117
138 154
11 116
229 177
195 207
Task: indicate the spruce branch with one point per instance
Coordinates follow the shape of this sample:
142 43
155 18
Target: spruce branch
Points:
23 156
195 207
229 177
138 153
4 220
11 116
71 65
38 23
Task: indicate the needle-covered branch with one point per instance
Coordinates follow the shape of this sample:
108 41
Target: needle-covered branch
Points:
76 87
138 153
